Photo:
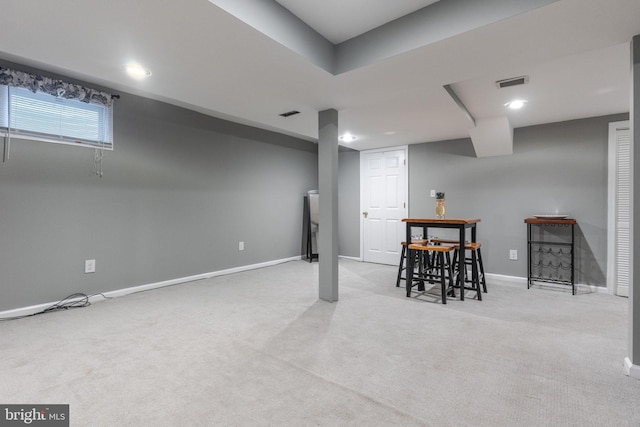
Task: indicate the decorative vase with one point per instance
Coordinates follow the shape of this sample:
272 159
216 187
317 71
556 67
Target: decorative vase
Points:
440 206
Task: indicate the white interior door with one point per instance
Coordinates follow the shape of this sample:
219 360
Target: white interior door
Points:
384 188
619 232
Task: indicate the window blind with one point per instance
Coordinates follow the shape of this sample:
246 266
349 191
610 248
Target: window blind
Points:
46 117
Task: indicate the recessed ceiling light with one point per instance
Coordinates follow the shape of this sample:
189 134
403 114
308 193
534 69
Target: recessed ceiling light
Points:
390 132
347 137
137 71
516 104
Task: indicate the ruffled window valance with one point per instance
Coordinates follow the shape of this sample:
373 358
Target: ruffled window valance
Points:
53 87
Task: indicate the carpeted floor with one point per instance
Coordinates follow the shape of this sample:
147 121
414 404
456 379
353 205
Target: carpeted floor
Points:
258 349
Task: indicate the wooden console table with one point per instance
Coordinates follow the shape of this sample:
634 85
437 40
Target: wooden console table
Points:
546 257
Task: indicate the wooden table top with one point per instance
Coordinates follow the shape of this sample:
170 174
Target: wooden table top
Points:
569 221
442 221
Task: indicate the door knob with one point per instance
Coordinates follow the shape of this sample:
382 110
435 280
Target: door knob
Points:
365 213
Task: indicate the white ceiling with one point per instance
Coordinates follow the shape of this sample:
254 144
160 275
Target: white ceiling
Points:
340 20
576 53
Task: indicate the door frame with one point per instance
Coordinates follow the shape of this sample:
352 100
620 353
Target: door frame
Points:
362 201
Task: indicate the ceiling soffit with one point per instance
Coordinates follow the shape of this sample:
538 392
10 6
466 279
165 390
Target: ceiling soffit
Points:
436 22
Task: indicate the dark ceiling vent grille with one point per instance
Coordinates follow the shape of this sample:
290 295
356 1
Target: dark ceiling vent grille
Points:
290 113
514 81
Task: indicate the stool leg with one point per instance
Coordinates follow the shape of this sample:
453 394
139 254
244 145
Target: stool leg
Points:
409 271
452 289
482 279
474 274
455 258
442 279
458 281
403 255
420 258
454 264
433 262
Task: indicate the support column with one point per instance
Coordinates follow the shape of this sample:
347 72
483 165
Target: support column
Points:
632 362
328 204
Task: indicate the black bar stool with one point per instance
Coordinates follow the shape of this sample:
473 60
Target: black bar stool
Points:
439 269
477 269
403 256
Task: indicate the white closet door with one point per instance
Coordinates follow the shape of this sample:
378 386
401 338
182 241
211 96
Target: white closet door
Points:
620 211
383 187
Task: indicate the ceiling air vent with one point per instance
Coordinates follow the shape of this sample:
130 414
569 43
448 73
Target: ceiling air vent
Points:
514 81
290 113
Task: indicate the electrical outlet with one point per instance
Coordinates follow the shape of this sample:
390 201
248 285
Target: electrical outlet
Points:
89 265
241 246
433 193
513 254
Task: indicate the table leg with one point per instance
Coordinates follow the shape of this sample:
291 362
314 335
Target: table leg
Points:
461 258
410 262
474 261
573 282
424 263
529 271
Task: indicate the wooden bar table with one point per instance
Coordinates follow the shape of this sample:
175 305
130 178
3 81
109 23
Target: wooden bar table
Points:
425 223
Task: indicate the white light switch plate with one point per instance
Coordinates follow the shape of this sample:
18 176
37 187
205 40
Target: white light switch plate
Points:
89 265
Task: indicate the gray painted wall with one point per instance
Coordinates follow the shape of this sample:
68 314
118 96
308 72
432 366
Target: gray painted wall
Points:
555 168
179 192
182 189
349 204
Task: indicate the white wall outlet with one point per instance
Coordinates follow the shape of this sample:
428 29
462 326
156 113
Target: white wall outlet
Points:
89 265
433 193
513 254
241 246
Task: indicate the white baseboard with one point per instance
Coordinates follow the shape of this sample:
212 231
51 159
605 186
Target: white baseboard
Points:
516 280
26 311
509 279
592 289
630 369
623 291
352 258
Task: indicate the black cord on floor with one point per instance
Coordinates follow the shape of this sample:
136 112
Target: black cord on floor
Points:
77 300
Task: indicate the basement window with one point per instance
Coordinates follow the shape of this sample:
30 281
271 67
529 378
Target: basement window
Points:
43 109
